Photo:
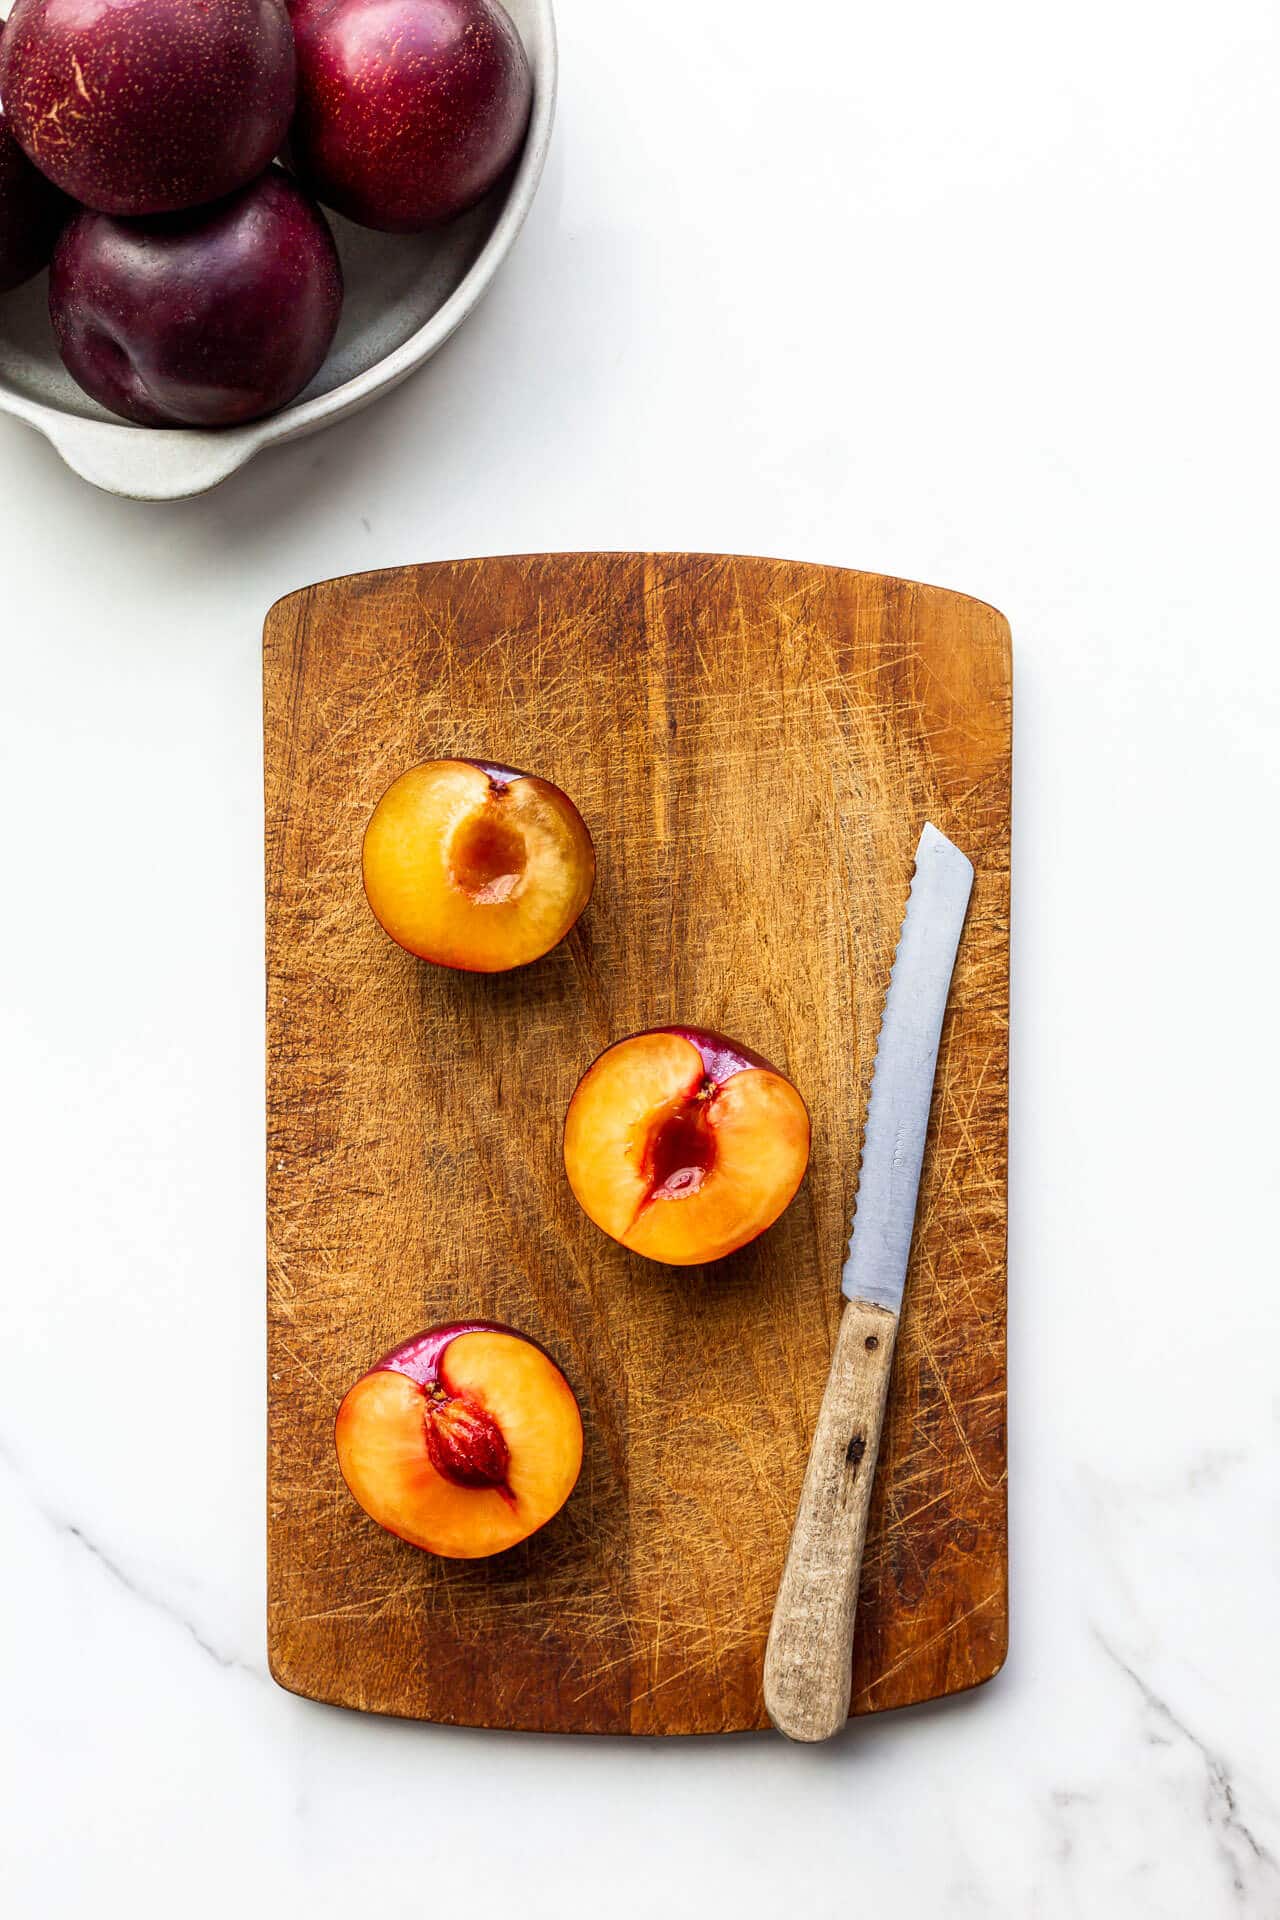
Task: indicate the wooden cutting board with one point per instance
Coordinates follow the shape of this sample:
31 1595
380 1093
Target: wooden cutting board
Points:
754 745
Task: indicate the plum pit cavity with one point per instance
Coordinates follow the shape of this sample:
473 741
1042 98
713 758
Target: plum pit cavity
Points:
488 857
682 1148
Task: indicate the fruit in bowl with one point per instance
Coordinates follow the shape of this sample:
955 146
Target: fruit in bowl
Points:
408 110
683 1145
156 110
200 319
476 866
148 106
462 1441
31 212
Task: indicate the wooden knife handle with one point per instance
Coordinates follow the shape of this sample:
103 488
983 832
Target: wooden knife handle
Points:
808 1664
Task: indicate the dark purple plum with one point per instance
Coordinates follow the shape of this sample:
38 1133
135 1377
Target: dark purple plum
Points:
199 319
408 110
31 212
148 106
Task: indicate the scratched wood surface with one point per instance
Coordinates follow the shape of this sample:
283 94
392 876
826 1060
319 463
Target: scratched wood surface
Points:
754 745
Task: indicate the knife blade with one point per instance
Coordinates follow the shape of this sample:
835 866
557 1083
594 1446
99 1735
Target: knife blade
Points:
808 1671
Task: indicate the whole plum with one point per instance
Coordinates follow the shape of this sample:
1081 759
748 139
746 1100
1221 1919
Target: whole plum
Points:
148 106
206 318
408 110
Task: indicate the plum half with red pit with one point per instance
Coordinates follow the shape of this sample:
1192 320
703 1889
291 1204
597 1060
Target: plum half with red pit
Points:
462 1441
684 1145
476 866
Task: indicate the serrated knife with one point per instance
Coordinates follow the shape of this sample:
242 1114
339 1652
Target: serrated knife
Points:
808 1668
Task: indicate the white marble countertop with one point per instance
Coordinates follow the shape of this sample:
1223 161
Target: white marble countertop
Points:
982 296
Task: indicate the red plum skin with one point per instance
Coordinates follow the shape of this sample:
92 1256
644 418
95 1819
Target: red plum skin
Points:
148 106
208 318
409 111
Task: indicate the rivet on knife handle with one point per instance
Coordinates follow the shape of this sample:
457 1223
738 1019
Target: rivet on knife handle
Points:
808 1667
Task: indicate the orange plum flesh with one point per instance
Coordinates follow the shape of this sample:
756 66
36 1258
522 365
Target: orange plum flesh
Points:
684 1145
476 866
463 1441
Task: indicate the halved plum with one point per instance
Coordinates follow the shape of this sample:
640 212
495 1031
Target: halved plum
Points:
462 1441
683 1145
477 866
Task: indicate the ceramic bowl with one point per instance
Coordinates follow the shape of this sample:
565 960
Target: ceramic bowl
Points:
405 296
